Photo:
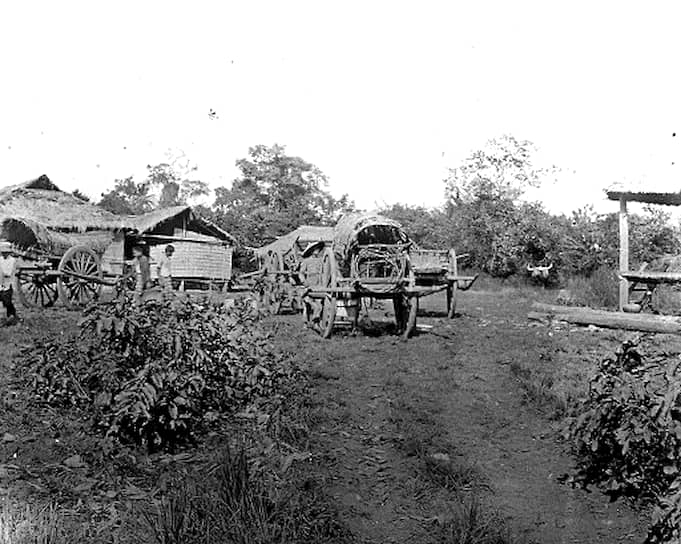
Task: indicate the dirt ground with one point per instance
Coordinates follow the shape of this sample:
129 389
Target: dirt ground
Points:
450 391
405 433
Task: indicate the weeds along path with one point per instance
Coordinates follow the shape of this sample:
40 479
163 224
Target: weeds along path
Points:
419 436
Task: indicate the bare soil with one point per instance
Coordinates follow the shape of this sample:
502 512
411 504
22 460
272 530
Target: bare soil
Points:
390 404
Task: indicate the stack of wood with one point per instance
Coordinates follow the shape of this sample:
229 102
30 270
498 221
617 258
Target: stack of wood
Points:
602 318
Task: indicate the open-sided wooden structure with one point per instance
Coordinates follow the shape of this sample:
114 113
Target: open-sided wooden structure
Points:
630 280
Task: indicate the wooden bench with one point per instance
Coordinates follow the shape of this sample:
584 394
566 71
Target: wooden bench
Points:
646 282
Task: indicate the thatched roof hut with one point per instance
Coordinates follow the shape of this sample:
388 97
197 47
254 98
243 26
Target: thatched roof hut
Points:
37 215
165 221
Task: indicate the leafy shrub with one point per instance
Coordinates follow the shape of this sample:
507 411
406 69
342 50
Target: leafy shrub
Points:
628 436
153 374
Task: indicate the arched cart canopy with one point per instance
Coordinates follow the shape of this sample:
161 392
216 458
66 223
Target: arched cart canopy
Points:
29 235
365 229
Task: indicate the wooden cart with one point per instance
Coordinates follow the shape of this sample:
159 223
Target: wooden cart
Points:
54 266
74 278
280 279
439 269
368 258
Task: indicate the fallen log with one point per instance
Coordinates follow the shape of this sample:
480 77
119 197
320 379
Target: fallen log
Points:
604 318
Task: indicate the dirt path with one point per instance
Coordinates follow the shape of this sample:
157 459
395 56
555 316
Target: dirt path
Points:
389 408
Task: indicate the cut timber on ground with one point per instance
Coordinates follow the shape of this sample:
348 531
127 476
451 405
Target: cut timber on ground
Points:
602 318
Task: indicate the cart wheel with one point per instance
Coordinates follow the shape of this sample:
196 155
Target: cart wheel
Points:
80 277
451 299
36 289
413 310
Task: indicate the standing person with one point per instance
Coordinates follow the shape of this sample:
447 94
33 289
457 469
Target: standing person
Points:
8 268
165 269
142 271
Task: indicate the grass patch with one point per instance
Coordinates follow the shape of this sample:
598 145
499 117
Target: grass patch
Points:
470 522
28 524
234 501
600 290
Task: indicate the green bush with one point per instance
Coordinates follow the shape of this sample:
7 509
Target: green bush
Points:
628 436
153 374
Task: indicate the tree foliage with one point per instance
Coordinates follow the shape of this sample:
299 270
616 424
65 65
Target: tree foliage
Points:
128 197
166 185
502 170
275 194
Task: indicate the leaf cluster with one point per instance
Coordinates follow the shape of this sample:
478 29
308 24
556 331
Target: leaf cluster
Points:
628 435
155 374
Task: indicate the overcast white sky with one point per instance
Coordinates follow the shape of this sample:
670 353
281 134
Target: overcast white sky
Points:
381 95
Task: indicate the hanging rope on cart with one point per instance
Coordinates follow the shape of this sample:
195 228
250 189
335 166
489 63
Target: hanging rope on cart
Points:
384 262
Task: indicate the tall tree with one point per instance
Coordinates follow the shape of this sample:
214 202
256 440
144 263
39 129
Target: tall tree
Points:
503 169
175 186
274 194
167 184
127 197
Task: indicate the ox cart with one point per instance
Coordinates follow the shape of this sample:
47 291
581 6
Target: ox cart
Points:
439 269
282 270
368 258
60 267
56 266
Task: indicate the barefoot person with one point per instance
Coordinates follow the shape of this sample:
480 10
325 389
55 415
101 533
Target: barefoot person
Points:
8 266
165 269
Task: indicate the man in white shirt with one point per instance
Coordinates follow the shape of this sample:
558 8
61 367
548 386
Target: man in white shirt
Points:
165 269
8 266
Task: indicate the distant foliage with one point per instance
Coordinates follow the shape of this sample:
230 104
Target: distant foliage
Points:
502 170
275 194
628 436
167 184
156 374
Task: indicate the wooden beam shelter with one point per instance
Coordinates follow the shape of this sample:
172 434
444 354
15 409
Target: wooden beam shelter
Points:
643 196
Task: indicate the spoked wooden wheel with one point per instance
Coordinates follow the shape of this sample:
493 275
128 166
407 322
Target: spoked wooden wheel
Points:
36 289
320 312
80 277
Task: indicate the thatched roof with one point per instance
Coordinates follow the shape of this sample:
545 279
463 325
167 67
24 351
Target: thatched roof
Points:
42 202
38 214
185 214
303 235
26 234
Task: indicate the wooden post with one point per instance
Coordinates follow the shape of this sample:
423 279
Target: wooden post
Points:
624 252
